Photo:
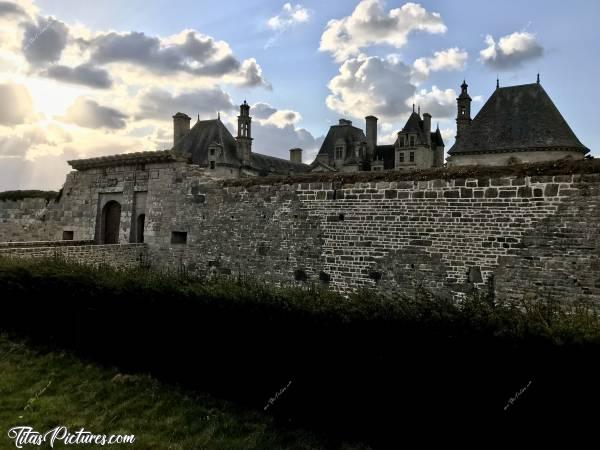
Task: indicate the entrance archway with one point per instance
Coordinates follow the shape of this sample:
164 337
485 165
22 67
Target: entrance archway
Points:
111 222
140 228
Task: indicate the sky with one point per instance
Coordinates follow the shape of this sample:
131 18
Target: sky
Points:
86 79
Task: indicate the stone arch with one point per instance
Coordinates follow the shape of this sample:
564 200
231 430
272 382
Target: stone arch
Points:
111 223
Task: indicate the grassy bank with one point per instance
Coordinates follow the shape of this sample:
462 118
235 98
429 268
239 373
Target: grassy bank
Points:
44 389
355 369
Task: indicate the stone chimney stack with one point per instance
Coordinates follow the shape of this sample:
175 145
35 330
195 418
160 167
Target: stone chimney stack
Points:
296 155
427 127
371 132
181 126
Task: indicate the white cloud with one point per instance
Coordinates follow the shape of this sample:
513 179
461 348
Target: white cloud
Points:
89 114
369 24
17 104
450 59
510 51
439 103
371 85
289 16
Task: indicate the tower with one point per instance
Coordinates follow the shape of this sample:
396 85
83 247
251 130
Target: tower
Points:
463 117
244 136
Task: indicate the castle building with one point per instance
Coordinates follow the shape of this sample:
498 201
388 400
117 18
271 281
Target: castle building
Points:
518 124
209 144
347 148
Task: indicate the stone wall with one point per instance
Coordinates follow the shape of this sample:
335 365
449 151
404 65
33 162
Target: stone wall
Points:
26 220
519 234
118 256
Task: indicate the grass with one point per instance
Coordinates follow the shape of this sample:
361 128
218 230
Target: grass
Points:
44 389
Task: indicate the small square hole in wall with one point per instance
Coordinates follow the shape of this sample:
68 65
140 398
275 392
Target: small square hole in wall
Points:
179 237
67 235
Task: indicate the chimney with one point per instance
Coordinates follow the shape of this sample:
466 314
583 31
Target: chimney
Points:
296 155
427 127
181 126
371 132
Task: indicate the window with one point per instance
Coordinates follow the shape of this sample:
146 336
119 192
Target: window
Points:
401 141
412 156
339 153
212 152
462 111
401 157
412 141
67 235
179 237
212 165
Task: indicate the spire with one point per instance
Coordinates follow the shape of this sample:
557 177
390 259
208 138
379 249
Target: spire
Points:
538 78
413 107
497 83
219 115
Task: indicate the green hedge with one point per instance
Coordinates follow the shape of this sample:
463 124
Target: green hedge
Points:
356 364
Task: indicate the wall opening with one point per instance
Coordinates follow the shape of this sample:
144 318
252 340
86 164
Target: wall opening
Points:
139 226
179 237
111 222
67 236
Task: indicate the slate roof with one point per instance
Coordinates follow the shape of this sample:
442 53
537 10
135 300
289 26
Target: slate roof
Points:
414 124
348 133
267 165
205 132
517 118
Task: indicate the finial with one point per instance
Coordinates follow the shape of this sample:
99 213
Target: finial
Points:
497 83
198 117
413 107
219 115
438 127
419 109
538 78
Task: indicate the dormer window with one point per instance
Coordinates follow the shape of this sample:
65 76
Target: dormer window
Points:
412 141
339 152
401 141
212 152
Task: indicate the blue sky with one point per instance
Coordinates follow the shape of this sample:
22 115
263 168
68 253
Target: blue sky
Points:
549 37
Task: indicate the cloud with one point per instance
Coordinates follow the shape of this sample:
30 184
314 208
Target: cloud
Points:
89 114
371 85
262 110
370 25
510 51
450 59
288 17
44 41
11 9
161 105
283 118
270 139
84 74
189 52
17 104
440 104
